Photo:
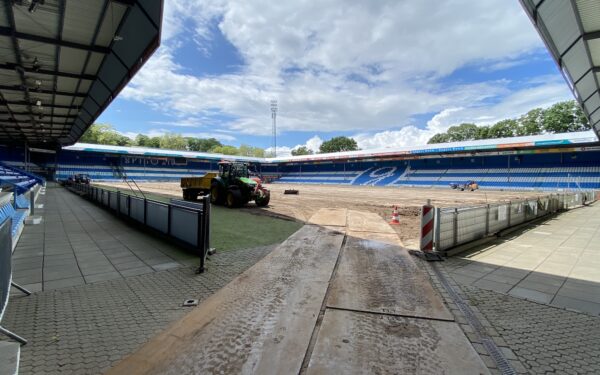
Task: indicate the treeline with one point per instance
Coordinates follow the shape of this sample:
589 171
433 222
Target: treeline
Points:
105 134
335 144
562 117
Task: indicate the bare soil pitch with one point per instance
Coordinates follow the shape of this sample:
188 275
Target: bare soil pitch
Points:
363 198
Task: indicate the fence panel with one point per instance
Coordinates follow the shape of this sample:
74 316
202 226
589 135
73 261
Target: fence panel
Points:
456 226
137 209
124 204
157 216
113 200
185 225
446 228
105 197
471 224
498 218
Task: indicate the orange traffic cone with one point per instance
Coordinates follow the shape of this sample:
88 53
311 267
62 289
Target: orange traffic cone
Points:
395 217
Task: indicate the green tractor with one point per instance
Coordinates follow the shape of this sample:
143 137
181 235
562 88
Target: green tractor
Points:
232 186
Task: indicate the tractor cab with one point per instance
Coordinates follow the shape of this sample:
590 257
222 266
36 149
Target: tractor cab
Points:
229 170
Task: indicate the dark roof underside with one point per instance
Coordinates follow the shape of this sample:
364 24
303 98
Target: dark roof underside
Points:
63 61
571 31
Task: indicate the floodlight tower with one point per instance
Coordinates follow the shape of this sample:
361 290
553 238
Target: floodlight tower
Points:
274 117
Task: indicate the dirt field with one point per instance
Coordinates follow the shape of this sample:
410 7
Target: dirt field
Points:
364 198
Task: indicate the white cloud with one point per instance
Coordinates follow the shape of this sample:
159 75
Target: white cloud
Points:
312 144
512 106
339 65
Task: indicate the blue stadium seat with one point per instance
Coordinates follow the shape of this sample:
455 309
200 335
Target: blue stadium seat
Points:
21 201
18 216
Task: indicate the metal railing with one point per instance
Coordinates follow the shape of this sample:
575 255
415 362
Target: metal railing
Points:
456 226
6 275
188 224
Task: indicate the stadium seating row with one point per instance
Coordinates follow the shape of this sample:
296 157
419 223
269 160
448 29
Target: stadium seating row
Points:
518 178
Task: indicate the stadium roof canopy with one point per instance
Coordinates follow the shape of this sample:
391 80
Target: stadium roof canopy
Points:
571 31
484 145
63 62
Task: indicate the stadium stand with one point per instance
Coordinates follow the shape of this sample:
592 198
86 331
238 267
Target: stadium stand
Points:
536 173
547 162
552 171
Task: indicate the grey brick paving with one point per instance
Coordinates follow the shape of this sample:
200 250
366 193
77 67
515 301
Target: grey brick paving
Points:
546 339
85 329
536 338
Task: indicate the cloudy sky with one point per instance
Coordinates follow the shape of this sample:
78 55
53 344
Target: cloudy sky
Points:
386 72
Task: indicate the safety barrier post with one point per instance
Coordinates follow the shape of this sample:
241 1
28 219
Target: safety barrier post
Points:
32 202
436 225
427 215
455 228
487 219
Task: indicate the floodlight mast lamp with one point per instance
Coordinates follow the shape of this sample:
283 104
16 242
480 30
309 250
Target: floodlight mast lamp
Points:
274 117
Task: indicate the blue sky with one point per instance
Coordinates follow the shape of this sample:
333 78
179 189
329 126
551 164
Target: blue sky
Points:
388 73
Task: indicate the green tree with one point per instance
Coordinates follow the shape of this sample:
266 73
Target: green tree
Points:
531 123
581 120
154 142
225 150
104 134
246 150
338 144
142 140
302 150
462 132
201 144
565 117
503 129
439 138
173 141
483 132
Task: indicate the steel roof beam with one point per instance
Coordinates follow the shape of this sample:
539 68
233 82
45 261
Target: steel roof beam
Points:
13 67
592 35
7 31
12 113
16 50
40 91
128 3
25 102
94 38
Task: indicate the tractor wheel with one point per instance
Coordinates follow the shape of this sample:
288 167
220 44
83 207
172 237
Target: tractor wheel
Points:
234 198
263 199
215 194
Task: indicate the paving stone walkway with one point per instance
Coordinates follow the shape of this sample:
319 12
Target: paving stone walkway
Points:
87 328
555 262
78 242
546 339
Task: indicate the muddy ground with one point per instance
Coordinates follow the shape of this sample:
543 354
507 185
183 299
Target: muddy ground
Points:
363 198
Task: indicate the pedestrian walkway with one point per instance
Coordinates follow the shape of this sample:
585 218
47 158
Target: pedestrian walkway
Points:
80 243
555 262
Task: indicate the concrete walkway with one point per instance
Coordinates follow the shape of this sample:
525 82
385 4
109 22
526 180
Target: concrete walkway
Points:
80 243
556 262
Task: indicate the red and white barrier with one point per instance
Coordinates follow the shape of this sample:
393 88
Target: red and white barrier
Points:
427 215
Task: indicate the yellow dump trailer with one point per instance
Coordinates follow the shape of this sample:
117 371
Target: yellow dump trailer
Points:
193 186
